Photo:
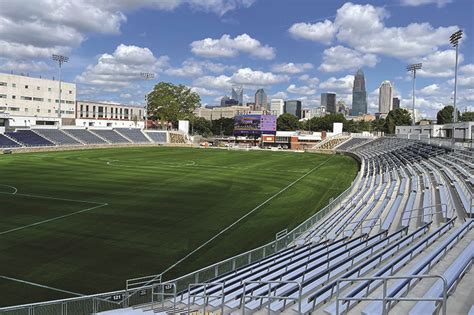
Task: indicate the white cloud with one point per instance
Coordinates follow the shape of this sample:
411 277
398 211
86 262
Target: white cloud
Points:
226 46
292 68
319 32
194 68
311 81
280 94
467 69
303 90
221 82
342 85
205 92
429 90
439 64
25 66
362 27
340 58
415 3
122 67
247 76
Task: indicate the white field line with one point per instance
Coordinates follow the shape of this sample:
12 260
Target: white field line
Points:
53 219
15 190
247 214
40 285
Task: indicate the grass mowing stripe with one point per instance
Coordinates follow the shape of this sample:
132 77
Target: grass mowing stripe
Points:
245 215
52 219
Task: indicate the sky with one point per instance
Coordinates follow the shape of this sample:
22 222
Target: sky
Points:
294 49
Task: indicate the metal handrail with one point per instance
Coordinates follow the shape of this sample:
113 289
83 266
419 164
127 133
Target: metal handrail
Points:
384 297
204 295
270 297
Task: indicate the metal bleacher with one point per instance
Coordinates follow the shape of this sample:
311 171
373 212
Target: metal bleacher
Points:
57 136
110 135
85 136
157 136
28 138
6 142
133 134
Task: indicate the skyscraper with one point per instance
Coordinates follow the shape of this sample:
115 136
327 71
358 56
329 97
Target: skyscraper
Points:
277 107
238 94
293 107
261 100
359 94
395 103
328 100
385 97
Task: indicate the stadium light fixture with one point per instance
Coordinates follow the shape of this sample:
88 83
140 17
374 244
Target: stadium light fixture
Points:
454 40
412 68
60 59
146 76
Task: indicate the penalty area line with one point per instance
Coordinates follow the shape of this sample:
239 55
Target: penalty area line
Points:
40 285
53 219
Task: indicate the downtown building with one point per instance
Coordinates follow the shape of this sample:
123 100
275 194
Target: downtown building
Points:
293 107
261 100
277 107
328 100
359 95
385 98
237 93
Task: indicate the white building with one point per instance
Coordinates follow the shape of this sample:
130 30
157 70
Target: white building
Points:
417 114
30 101
463 131
222 112
277 106
385 98
97 114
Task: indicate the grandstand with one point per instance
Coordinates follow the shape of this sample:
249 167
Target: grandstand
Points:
110 136
404 226
133 134
28 138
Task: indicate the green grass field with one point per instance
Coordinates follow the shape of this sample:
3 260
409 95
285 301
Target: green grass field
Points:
85 221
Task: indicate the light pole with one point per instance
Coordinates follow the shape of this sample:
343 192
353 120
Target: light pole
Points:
146 76
454 39
412 68
60 60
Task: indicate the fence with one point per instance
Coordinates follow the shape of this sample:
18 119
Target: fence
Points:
140 290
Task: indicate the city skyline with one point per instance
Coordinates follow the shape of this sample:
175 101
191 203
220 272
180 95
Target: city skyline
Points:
213 45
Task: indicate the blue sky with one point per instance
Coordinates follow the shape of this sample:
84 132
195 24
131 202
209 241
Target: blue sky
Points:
294 49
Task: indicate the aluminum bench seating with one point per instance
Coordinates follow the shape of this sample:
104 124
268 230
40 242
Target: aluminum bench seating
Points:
85 136
413 248
6 142
110 135
234 287
329 290
29 139
57 136
317 275
133 134
452 275
157 136
402 286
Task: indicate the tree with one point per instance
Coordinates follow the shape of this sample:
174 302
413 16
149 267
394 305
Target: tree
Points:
445 115
397 117
287 122
467 116
169 102
201 126
224 126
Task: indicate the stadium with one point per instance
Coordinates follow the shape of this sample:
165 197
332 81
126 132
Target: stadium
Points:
379 224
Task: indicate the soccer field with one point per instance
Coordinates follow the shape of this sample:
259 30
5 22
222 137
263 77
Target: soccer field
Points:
85 221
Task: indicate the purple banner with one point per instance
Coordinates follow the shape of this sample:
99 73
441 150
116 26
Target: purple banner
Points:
254 125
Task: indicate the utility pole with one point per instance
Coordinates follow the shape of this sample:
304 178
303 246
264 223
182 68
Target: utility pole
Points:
412 68
454 40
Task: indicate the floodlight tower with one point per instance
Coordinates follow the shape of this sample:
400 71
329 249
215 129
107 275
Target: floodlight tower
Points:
60 59
412 68
147 76
454 39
